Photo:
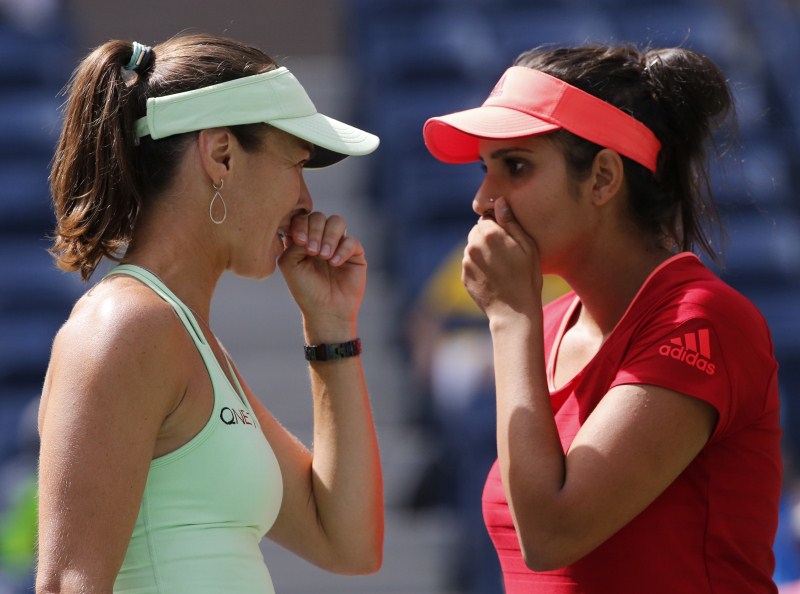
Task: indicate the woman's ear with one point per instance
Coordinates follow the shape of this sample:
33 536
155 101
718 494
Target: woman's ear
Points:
608 174
215 149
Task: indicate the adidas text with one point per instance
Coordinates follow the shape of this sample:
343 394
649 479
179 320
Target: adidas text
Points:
692 358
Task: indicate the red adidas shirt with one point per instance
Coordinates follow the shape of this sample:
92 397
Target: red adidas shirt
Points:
712 530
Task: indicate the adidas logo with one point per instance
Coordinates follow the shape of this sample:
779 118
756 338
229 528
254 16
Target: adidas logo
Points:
498 88
693 348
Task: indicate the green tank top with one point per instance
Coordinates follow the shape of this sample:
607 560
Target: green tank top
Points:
207 505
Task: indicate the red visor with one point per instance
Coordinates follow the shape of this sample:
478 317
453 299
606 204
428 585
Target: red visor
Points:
527 102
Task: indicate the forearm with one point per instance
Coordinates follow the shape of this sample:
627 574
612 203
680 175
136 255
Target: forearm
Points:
346 473
530 455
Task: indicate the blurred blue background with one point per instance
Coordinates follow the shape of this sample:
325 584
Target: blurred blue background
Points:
388 65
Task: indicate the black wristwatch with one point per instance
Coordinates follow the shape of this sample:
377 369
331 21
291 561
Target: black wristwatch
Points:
328 352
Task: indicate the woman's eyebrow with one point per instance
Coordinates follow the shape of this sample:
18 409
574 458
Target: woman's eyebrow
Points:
506 150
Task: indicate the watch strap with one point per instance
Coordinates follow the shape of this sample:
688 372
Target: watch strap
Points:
332 351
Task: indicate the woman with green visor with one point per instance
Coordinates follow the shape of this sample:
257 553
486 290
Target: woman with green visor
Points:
160 470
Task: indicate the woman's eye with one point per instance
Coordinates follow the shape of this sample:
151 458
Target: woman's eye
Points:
514 166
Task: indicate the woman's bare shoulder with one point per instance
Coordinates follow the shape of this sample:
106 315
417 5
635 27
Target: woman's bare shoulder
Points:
121 311
119 337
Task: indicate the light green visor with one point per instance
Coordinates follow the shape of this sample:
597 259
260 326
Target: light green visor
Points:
275 98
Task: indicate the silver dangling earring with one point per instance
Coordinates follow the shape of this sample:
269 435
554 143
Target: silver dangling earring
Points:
217 196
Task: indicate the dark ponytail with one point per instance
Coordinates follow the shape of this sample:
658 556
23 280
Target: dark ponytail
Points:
695 98
101 177
677 93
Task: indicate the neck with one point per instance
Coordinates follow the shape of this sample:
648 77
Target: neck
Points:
183 261
607 287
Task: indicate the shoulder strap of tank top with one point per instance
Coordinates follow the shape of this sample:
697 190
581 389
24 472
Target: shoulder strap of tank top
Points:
186 316
152 281
236 385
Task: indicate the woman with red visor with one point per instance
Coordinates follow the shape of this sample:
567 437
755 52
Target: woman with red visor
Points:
638 425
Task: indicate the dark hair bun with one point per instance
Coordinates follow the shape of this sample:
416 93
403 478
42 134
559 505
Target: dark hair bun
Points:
691 88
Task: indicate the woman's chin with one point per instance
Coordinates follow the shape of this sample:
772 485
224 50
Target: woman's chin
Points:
258 268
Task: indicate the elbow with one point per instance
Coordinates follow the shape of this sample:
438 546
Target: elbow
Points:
356 556
48 582
44 589
361 552
371 561
55 578
547 543
359 562
550 537
537 560
549 552
367 558
368 564
541 559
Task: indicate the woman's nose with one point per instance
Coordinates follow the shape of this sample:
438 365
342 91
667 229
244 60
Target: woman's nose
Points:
305 202
484 200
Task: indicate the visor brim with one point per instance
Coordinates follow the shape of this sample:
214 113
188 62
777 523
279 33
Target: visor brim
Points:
454 138
333 139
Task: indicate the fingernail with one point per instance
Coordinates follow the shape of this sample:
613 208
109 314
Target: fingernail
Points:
300 237
336 260
326 251
313 247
